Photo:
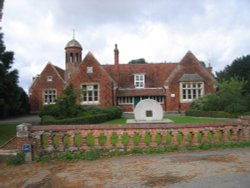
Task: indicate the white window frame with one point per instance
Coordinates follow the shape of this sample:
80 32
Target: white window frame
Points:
125 100
189 91
49 96
139 80
90 94
49 78
89 69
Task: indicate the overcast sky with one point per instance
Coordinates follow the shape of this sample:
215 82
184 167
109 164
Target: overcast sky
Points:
216 31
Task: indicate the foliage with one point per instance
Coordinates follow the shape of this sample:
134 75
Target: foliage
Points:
125 139
168 138
92 154
137 139
102 139
240 68
114 139
158 139
45 141
90 140
78 140
190 137
179 137
16 160
147 138
13 99
66 141
55 141
138 61
215 114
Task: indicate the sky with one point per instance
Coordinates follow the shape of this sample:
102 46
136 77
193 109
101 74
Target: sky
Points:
216 31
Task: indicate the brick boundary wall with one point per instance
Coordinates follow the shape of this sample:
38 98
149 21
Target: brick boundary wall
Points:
232 131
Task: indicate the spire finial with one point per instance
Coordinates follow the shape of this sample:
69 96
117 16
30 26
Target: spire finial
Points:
73 33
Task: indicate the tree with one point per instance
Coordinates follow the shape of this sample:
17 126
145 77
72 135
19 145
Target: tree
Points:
13 99
239 68
138 61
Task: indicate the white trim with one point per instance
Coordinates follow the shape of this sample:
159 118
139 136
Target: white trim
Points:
49 94
139 80
90 89
192 91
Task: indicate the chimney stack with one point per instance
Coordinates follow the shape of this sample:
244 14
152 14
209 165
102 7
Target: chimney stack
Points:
210 69
116 55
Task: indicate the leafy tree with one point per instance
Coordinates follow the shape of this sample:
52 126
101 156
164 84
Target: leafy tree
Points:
240 68
13 99
67 102
230 97
138 61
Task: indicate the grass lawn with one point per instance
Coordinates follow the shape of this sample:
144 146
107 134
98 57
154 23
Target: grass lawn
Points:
7 132
187 119
175 119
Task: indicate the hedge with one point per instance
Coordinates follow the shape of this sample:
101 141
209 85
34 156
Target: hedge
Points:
216 114
103 115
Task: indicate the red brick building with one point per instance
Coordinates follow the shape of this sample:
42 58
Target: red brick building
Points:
174 85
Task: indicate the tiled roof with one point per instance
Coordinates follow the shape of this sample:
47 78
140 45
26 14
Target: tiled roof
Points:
60 71
190 77
155 73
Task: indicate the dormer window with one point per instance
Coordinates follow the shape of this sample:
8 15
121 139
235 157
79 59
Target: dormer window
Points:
49 78
89 69
139 80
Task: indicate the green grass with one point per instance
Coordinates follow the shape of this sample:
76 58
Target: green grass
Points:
121 120
7 132
175 119
187 119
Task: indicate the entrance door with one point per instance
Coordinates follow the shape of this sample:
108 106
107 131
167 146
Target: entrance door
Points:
136 100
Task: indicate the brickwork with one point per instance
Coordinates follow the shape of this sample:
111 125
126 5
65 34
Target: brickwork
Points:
41 83
180 135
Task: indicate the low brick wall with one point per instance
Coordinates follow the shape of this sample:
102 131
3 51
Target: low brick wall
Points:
51 138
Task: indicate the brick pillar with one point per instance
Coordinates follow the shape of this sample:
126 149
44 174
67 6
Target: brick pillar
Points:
22 135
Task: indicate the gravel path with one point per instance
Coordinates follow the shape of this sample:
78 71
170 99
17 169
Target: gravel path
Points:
33 119
221 168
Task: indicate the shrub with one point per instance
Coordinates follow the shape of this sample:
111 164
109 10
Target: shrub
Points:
210 136
200 137
114 139
66 141
219 134
78 140
137 139
55 141
102 139
45 141
125 139
190 137
50 110
92 154
90 140
16 160
147 139
158 139
217 114
179 137
168 138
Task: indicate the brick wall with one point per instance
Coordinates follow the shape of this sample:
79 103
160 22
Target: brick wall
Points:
200 133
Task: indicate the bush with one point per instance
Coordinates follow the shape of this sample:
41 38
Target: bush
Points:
51 110
216 114
125 139
92 154
137 139
102 139
16 160
90 140
147 139
158 139
93 116
114 139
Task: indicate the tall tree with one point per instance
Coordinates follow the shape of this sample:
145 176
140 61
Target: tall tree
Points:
239 68
13 99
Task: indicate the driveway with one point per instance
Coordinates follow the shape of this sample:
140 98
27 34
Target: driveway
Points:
221 168
33 119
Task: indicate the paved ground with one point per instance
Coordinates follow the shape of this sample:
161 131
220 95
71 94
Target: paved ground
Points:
222 168
33 119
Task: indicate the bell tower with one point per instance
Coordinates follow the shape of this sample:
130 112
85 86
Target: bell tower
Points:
73 57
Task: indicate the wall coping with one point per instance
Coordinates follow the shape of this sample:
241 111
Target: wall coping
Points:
131 126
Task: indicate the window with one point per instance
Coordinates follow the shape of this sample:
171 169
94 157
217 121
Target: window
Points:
49 78
49 96
191 91
139 80
89 69
90 94
125 100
